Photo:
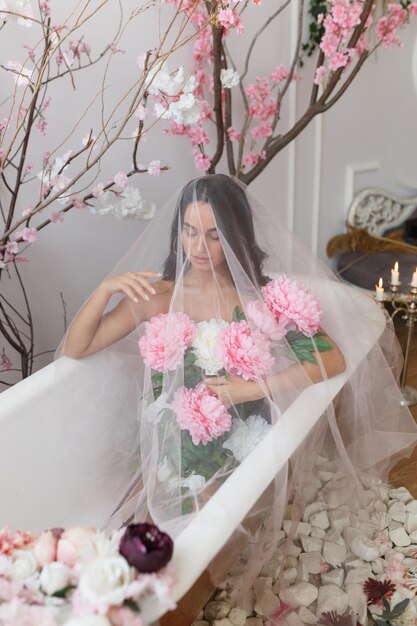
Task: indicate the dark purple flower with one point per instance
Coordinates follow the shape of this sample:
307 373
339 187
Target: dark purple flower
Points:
376 590
145 547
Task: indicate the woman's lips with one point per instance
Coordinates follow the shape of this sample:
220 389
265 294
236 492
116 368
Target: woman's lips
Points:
201 259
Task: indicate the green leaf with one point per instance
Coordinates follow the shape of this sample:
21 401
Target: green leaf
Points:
157 379
189 358
397 610
62 592
238 315
157 392
132 605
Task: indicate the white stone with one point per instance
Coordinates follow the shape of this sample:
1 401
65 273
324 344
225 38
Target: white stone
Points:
339 520
413 536
291 561
300 594
401 494
364 548
312 561
397 511
294 529
335 537
310 509
319 533
358 576
325 476
331 598
306 616
334 577
200 622
380 506
222 622
336 497
261 585
272 568
381 492
378 566
248 602
267 603
357 564
381 520
321 520
357 600
293 620
399 537
290 575
216 610
302 573
334 553
237 616
311 544
410 522
411 506
292 549
254 621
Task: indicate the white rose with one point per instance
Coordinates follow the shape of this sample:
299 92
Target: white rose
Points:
246 435
24 564
204 345
88 620
106 581
194 482
54 577
229 78
5 565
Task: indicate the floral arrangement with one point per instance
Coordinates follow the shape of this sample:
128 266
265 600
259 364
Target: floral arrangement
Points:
81 577
214 435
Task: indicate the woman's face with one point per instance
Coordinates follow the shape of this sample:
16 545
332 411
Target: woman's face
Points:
200 238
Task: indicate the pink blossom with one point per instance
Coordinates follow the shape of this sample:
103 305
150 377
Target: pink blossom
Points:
113 47
280 73
98 190
154 168
201 413
5 364
197 136
324 567
45 9
412 8
262 131
263 319
293 304
57 218
140 60
233 134
14 540
340 59
320 74
12 247
252 158
29 234
28 169
78 202
42 125
226 18
245 352
141 112
202 161
120 179
4 123
166 338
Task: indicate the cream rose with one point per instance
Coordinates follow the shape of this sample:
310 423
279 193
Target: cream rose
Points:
24 564
88 620
204 345
71 544
106 581
54 577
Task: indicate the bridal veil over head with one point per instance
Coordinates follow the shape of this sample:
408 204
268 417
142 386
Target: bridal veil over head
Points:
240 301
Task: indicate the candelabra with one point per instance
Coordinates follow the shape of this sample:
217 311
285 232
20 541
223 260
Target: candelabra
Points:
406 304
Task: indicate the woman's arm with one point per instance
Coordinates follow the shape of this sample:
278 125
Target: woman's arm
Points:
91 331
233 389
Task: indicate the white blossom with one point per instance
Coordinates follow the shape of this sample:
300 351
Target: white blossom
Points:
22 7
246 435
88 620
53 176
170 84
186 110
205 343
54 577
20 74
106 581
229 78
126 204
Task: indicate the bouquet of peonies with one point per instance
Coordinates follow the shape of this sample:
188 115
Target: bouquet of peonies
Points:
81 577
212 434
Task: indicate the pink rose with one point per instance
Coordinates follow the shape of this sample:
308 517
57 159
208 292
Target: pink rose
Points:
45 548
201 413
71 543
246 352
167 337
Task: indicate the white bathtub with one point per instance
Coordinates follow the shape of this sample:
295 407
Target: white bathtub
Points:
37 493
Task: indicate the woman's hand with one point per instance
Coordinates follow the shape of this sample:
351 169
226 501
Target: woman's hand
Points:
134 284
233 389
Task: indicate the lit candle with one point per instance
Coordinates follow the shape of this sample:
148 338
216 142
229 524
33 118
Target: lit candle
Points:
379 291
414 279
395 275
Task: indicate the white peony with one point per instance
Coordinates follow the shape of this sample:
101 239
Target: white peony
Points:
88 620
246 435
127 204
24 564
54 577
204 345
106 581
229 78
186 110
20 7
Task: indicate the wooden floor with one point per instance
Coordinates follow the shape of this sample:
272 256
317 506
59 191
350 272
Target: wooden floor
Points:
405 472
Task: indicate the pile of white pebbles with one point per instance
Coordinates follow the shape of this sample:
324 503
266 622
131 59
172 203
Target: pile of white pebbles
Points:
332 552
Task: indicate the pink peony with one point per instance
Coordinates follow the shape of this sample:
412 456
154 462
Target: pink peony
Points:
246 352
45 548
262 317
166 338
71 544
293 305
201 413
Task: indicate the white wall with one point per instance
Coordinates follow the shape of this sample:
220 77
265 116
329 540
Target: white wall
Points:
306 184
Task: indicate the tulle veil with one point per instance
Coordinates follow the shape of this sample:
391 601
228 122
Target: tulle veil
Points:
212 319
